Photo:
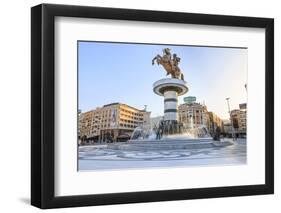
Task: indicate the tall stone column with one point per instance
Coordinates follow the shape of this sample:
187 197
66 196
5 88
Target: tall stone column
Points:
170 88
170 105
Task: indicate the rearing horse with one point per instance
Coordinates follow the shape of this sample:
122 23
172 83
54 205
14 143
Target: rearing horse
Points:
169 64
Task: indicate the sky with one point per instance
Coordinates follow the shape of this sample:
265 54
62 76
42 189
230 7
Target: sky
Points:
123 72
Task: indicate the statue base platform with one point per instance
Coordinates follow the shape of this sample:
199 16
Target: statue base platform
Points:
170 88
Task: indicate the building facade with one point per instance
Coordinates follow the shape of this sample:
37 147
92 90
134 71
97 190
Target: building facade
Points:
239 120
85 125
193 114
214 122
112 122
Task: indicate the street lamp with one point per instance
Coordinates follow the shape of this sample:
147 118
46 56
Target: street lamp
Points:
232 128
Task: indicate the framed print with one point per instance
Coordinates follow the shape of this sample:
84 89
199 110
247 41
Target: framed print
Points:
139 106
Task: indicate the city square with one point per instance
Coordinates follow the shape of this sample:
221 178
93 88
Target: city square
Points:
177 130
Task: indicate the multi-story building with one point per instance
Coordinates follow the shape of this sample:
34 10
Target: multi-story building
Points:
196 115
214 122
79 123
239 119
193 114
85 125
243 119
112 122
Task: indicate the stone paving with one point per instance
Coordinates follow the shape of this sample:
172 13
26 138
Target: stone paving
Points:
99 157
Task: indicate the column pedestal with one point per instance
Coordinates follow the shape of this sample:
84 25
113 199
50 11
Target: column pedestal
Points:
170 105
170 88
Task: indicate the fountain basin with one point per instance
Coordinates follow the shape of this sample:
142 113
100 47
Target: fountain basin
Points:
168 144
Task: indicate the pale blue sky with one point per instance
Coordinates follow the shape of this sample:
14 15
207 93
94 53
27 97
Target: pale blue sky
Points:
120 72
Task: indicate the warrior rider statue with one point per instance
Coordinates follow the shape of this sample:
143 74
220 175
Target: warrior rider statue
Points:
170 64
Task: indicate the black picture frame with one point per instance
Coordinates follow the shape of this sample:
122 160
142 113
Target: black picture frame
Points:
43 105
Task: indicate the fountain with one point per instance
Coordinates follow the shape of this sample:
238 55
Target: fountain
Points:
166 130
169 133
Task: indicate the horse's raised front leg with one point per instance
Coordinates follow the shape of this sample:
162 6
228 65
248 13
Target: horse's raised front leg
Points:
158 57
154 60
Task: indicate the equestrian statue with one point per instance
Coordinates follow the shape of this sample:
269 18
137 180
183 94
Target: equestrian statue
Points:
169 63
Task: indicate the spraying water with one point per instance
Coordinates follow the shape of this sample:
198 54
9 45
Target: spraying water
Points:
170 130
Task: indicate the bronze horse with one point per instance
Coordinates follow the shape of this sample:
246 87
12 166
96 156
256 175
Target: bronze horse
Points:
170 64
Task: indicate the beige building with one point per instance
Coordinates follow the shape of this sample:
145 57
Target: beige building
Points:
195 113
214 122
112 122
85 124
239 119
198 114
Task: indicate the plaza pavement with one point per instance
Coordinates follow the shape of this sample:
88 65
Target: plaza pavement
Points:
99 157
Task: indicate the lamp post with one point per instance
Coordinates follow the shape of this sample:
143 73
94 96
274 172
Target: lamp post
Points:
232 129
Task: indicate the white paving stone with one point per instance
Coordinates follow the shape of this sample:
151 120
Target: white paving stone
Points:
100 157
